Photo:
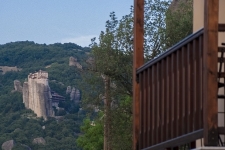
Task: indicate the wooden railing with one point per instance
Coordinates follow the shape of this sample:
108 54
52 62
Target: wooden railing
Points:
171 86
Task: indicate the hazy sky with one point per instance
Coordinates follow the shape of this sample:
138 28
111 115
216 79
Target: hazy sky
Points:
51 21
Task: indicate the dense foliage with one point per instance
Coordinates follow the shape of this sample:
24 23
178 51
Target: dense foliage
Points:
22 125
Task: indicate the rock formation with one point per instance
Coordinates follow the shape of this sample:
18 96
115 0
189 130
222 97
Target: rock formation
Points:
17 86
75 94
39 140
90 60
8 145
72 94
73 62
5 69
37 94
68 89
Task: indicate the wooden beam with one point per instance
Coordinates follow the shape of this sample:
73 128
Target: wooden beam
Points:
138 60
210 54
180 140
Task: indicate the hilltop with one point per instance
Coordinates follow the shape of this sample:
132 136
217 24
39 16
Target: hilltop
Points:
17 60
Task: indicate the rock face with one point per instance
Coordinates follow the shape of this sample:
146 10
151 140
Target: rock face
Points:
8 145
75 95
37 94
90 60
5 69
72 94
68 89
39 140
17 86
73 62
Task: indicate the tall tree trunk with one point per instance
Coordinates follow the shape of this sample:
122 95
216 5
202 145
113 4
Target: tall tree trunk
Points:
107 102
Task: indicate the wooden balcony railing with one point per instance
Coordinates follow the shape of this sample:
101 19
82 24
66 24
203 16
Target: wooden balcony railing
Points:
171 86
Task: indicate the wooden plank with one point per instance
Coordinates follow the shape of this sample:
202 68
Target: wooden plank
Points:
221 27
157 103
138 60
221 49
178 93
145 106
168 98
220 60
175 70
194 84
153 107
188 92
149 107
201 81
163 111
184 90
141 130
221 130
192 87
210 54
181 140
172 90
222 75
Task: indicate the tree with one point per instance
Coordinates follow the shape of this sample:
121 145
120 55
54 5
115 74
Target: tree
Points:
113 61
92 139
178 21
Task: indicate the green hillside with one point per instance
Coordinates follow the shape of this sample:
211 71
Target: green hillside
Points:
20 124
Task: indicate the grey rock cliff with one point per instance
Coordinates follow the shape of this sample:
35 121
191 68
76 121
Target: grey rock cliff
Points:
17 86
8 145
68 90
37 94
75 94
73 62
39 140
72 94
25 94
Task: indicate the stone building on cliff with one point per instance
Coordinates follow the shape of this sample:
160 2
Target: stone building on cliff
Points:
37 94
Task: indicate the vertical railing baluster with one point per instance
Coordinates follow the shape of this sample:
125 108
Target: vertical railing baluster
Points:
175 70
194 84
181 87
158 101
162 108
201 78
184 90
198 84
144 108
172 94
148 107
189 88
179 90
168 107
141 110
153 105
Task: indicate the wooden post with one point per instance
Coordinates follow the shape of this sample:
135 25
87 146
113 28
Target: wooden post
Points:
210 54
138 60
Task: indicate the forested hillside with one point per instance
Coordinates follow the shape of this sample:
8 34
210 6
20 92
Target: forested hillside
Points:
20 124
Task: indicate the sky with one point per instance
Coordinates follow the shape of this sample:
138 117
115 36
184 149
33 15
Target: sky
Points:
57 21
